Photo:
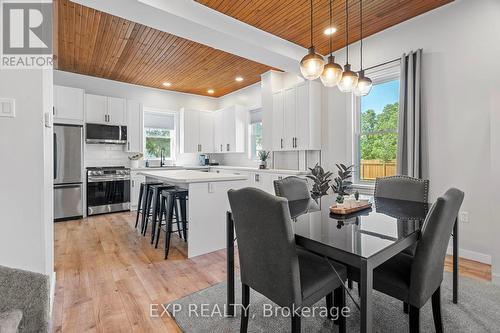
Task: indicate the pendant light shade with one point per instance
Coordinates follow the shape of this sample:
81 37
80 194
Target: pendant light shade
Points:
349 80
364 85
332 73
311 66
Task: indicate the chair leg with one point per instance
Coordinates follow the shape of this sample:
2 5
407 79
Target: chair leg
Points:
177 218
436 310
339 301
147 213
245 302
139 208
329 305
168 229
154 219
144 207
405 308
163 213
184 217
414 319
295 323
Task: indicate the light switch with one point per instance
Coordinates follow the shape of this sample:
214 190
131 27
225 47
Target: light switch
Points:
7 107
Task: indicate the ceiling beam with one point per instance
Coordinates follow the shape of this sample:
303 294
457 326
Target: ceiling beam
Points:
191 20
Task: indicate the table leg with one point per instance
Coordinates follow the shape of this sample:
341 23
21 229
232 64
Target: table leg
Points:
366 285
230 263
455 262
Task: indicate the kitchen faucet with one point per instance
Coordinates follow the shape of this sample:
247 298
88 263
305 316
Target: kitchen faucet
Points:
162 158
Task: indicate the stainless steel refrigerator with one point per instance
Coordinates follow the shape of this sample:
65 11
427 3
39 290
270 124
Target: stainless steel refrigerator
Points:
68 169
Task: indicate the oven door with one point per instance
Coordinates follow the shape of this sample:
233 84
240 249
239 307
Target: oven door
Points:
106 195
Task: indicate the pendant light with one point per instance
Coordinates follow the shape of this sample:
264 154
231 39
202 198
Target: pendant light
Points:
364 84
312 64
332 72
349 79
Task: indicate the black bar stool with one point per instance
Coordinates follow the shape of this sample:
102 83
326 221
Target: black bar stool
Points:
169 201
153 207
141 204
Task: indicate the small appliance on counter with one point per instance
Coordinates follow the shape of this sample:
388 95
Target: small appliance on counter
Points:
108 190
204 160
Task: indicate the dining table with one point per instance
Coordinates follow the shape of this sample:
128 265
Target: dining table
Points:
362 240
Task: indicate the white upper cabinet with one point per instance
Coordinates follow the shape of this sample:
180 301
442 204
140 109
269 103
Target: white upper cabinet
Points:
105 110
206 132
230 129
196 131
96 109
135 127
117 111
219 138
297 117
68 105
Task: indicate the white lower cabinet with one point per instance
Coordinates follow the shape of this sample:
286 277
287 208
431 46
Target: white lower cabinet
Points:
135 187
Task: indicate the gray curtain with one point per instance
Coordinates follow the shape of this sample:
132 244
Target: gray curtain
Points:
409 147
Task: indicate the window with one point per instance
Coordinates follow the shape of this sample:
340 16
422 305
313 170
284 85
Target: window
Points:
255 134
159 134
376 129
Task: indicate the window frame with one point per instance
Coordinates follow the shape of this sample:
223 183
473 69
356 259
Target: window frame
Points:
378 75
173 133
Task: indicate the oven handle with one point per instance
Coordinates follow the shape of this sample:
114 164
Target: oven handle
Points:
100 180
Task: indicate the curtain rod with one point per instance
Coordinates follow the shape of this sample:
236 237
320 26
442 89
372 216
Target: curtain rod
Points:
383 64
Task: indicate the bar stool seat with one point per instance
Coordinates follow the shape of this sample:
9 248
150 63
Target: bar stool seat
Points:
153 207
141 204
169 200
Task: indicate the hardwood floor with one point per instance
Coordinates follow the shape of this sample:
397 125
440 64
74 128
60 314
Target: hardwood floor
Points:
108 275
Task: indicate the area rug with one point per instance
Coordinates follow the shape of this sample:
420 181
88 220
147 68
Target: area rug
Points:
478 311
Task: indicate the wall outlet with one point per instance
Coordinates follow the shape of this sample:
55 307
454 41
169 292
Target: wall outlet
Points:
7 107
463 217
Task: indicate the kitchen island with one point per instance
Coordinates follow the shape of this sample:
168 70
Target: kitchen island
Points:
207 205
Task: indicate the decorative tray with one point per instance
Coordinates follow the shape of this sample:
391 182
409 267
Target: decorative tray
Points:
355 207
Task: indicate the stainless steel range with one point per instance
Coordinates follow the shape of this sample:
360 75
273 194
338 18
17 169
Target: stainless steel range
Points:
108 190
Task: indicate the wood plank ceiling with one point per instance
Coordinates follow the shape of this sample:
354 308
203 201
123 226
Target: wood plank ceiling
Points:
98 44
289 19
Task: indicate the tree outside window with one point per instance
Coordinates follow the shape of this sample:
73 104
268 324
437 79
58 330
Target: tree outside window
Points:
378 132
158 140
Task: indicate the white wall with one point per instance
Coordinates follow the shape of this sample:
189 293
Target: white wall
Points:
26 237
461 92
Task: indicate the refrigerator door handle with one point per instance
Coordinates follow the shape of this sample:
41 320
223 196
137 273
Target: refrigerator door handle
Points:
55 156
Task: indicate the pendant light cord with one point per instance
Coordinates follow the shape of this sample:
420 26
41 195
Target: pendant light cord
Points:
331 27
361 25
312 44
347 32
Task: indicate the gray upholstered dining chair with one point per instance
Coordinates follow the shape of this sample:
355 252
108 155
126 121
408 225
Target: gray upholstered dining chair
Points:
293 188
270 262
416 279
402 188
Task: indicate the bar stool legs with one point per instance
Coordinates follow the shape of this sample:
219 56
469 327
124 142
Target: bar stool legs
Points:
139 205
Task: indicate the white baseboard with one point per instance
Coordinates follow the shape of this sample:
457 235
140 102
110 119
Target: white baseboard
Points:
52 291
472 255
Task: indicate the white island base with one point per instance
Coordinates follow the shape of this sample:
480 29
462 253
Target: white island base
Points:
207 205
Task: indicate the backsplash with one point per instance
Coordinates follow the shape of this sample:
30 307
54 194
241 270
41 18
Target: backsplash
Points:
97 155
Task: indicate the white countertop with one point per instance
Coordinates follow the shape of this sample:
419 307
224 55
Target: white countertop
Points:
190 176
250 169
171 167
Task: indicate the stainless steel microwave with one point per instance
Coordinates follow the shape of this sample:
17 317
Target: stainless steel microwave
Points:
97 133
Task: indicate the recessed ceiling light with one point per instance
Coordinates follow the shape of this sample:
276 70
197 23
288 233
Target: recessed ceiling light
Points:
330 31
167 84
239 78
210 91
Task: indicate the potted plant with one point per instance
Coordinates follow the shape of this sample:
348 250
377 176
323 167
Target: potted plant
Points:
321 182
342 183
263 157
134 160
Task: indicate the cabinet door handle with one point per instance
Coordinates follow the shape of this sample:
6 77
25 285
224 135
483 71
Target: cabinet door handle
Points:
53 110
221 147
281 143
128 145
133 183
201 147
227 148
